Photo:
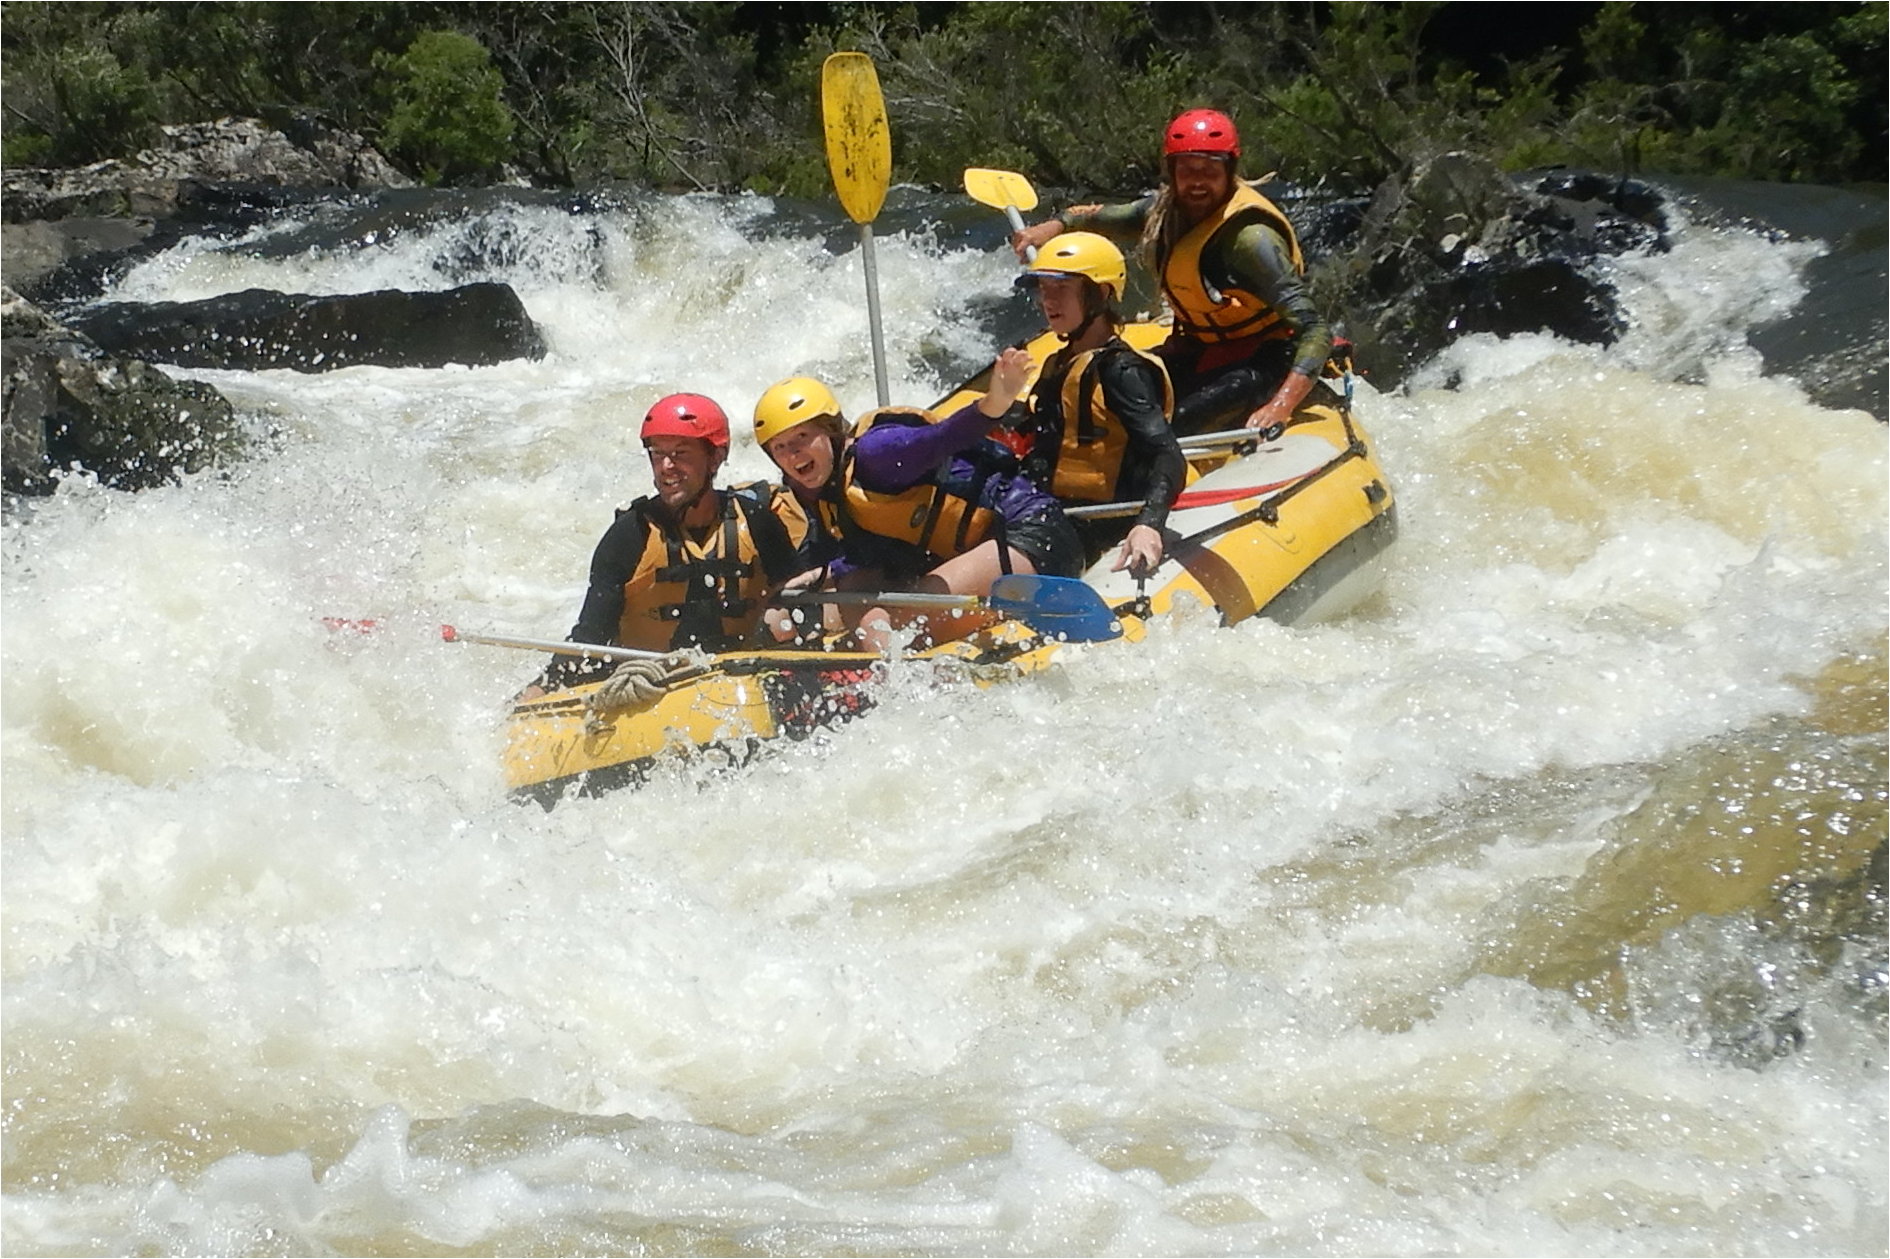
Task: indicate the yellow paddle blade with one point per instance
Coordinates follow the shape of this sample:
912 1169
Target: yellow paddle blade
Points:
1000 188
859 143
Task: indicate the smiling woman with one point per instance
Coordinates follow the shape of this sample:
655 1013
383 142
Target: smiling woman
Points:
913 501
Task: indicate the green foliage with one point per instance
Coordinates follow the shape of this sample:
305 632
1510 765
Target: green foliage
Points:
448 118
695 94
70 95
26 148
673 113
1779 107
1616 45
1066 91
99 100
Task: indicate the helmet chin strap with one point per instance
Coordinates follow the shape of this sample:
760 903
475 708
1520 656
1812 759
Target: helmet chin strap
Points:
1082 330
1094 308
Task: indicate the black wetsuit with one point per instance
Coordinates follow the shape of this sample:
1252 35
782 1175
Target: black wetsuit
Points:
619 553
1153 467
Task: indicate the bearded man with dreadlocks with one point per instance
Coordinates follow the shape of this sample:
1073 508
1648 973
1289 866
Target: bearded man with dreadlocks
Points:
1248 343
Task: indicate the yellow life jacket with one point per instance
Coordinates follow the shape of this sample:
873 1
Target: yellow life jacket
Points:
1094 439
935 516
1235 313
685 591
793 515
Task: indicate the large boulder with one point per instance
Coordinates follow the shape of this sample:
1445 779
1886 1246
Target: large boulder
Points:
65 404
1457 246
34 251
305 153
475 324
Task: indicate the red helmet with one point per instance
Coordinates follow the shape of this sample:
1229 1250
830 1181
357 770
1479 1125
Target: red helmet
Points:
687 415
1202 131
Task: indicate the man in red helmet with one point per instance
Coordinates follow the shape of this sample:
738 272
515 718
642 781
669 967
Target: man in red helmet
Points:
1247 343
688 566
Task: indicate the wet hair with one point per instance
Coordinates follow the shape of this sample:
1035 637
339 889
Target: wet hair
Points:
1096 303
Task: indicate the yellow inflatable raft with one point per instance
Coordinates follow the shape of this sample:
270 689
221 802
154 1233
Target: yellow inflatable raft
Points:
1288 528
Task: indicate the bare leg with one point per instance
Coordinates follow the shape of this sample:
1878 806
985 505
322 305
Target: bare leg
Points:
969 574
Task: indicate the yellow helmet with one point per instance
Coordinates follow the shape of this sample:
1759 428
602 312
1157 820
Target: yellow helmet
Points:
796 400
1085 254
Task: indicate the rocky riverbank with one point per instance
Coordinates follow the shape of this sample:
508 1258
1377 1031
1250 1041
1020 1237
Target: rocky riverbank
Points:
80 386
1452 247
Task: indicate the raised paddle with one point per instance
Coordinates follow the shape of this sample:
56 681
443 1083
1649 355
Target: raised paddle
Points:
1060 606
1006 190
859 153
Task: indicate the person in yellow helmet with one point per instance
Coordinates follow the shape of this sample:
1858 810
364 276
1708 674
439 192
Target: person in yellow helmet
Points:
1097 426
1248 343
913 501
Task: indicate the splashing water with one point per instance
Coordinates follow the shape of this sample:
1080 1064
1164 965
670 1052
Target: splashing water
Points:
1529 910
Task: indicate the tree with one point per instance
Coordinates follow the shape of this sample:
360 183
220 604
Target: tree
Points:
448 119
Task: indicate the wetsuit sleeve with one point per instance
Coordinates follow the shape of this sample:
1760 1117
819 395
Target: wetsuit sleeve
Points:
1133 388
1120 223
615 559
1257 259
888 458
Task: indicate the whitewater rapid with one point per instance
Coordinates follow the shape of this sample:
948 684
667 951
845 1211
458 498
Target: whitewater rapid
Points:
1463 925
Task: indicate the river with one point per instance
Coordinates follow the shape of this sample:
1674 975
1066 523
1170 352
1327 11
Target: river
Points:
1527 910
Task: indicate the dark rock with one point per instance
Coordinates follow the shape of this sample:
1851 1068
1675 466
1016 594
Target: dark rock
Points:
475 324
101 190
199 211
34 251
64 403
1506 297
1832 342
1457 247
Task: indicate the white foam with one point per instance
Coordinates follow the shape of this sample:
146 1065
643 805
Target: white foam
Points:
1138 956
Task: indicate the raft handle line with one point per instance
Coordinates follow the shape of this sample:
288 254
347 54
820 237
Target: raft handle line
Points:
1269 512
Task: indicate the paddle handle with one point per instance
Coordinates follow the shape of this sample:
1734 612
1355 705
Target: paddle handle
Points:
1105 511
593 650
886 598
872 313
1017 225
1232 437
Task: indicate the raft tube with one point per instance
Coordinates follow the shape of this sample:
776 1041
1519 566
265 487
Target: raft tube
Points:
1292 527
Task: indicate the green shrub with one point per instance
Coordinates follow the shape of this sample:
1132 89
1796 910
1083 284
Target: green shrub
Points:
448 120
26 148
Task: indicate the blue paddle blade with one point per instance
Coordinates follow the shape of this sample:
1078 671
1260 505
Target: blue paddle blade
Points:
1062 607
